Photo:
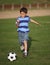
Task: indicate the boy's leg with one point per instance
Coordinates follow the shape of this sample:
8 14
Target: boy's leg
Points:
23 37
22 46
20 41
25 45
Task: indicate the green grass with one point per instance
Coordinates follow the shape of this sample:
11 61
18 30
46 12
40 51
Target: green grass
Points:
39 51
23 1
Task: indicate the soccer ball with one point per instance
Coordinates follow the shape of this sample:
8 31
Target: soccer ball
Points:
12 56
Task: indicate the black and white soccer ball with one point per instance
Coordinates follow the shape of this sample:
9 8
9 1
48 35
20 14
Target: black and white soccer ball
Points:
12 56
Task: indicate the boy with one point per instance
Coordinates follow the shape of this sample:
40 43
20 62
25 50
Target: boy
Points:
22 23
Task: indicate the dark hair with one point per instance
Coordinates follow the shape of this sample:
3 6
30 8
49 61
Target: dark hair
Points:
23 9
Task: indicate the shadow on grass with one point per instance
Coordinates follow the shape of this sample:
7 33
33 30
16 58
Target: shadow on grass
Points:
30 42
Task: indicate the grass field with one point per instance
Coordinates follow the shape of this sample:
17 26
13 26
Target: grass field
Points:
39 49
23 1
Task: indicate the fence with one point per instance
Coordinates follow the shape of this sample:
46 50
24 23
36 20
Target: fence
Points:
15 6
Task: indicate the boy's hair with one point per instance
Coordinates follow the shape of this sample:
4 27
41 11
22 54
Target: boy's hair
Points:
23 9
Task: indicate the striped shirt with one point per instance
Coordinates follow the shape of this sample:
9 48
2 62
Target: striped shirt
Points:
23 24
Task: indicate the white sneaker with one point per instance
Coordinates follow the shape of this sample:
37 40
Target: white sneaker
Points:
25 54
22 48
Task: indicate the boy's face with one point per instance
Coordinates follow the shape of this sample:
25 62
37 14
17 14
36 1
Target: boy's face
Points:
23 14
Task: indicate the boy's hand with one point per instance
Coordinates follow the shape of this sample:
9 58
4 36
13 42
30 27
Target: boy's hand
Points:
38 23
17 23
35 22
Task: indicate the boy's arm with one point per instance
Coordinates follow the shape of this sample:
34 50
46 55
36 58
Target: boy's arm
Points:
34 21
17 23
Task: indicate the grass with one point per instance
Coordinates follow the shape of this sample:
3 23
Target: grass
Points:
39 50
22 1
16 1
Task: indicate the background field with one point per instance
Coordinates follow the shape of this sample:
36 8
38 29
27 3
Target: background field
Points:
39 50
30 4
23 1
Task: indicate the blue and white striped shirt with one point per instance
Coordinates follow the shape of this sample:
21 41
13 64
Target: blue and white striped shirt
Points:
23 24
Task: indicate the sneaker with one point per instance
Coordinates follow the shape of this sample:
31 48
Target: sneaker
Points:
25 54
22 48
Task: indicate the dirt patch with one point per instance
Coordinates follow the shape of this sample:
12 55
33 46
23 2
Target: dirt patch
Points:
15 14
